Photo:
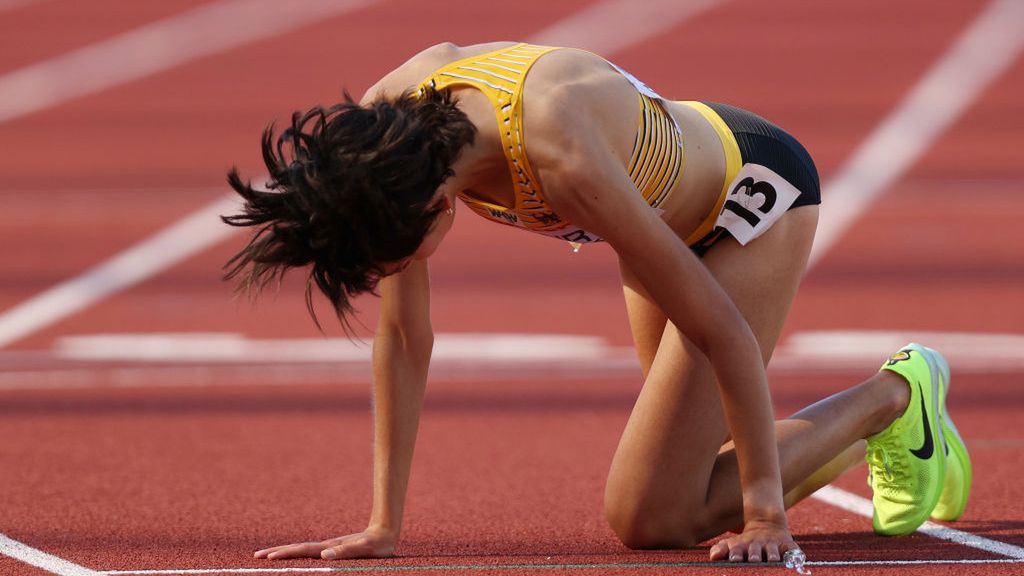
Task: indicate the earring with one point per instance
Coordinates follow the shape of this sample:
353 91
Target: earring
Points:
450 211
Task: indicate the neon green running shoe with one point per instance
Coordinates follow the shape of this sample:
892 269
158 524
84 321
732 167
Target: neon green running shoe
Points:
906 461
957 487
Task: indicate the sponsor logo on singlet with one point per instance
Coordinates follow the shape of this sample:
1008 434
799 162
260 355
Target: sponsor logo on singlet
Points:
509 217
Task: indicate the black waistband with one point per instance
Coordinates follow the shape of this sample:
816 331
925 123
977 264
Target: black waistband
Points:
764 143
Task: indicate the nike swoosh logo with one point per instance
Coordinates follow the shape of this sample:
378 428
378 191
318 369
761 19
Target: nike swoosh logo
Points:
928 448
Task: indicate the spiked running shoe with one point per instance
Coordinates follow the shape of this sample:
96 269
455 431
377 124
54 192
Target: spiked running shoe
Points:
957 487
906 461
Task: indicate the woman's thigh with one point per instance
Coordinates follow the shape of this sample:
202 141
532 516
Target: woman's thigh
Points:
763 277
667 453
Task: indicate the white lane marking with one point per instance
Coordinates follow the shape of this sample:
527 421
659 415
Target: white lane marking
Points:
200 375
526 566
250 374
851 502
844 349
42 560
142 261
977 58
816 349
13 4
614 25
228 347
204 228
189 571
198 360
935 562
156 47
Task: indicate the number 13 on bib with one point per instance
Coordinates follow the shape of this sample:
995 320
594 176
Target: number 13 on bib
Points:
757 198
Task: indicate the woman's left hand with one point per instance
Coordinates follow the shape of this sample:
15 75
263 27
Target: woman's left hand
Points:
759 541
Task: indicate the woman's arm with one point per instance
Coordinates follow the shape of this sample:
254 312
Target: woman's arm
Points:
697 305
401 355
585 181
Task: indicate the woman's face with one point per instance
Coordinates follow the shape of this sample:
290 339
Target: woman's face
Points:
441 226
432 240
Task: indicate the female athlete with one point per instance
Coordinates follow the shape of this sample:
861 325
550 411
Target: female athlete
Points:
711 211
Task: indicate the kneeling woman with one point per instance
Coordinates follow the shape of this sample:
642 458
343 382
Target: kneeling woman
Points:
711 211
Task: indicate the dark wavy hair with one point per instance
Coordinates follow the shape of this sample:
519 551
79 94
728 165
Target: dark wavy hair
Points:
350 189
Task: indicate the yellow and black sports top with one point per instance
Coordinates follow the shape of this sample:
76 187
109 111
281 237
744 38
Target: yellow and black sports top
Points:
655 166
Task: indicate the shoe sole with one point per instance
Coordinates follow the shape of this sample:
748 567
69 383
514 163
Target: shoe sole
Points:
955 441
934 370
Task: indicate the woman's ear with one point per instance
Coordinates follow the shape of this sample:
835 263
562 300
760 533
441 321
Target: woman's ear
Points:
447 203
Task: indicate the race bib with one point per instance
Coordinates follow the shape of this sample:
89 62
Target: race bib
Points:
757 198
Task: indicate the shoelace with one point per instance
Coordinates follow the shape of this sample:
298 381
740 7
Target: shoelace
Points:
878 459
882 462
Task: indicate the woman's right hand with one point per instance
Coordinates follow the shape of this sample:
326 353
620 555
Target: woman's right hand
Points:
370 543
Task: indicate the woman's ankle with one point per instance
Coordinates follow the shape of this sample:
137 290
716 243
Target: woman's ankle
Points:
893 395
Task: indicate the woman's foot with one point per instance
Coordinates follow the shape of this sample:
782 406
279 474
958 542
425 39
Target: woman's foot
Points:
907 461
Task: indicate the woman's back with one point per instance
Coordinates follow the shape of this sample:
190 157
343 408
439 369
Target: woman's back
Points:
567 86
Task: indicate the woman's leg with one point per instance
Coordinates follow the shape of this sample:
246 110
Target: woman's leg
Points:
824 476
672 483
816 445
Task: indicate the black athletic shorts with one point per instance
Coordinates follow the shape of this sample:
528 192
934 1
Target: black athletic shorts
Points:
764 143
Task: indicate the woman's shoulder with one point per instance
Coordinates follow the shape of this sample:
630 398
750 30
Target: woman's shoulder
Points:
416 69
573 90
568 81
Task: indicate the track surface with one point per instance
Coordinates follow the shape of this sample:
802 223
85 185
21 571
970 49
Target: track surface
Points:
120 465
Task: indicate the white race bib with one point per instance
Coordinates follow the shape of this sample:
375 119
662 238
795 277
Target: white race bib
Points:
757 198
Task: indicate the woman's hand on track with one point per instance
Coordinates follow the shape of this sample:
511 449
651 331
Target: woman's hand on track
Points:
759 541
367 544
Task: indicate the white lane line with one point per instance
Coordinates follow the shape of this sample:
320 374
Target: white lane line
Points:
847 349
526 566
190 571
42 560
231 375
203 229
229 347
156 47
933 562
201 375
851 502
979 56
614 25
209 359
816 349
13 4
144 260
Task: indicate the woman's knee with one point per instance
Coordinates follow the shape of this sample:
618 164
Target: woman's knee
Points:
649 527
